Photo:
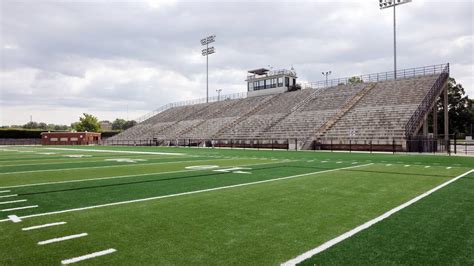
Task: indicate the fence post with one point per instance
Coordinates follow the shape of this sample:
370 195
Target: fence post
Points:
455 143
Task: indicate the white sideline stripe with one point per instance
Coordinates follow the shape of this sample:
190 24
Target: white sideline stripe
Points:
14 218
186 193
19 208
115 151
125 176
366 225
42 226
388 165
4 191
448 168
88 256
12 201
59 239
8 196
427 166
106 166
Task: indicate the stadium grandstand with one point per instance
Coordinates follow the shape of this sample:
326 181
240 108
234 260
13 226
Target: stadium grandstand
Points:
380 111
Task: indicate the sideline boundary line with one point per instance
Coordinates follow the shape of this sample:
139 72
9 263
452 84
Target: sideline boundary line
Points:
346 235
126 176
186 193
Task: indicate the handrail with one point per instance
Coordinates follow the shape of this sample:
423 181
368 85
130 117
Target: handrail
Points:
165 107
381 76
426 103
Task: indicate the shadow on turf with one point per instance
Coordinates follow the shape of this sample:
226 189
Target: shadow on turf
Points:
217 174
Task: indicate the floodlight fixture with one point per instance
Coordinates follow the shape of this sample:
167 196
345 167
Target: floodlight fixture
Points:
326 74
383 4
206 52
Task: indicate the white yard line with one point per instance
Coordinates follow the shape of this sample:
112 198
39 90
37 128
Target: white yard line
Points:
125 176
59 239
116 151
186 193
4 191
12 201
366 225
19 208
88 256
100 167
8 196
42 226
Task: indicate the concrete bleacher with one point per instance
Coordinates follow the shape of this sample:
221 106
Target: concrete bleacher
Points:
362 111
383 113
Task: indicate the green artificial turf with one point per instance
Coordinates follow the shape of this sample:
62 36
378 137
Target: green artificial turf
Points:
265 223
438 230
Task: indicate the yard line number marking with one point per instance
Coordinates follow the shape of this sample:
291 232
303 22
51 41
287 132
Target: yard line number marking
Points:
59 239
89 256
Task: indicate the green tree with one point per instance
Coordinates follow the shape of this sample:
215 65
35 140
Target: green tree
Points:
118 124
87 123
354 80
129 124
460 110
31 125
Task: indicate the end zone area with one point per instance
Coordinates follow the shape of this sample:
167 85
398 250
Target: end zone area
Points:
201 207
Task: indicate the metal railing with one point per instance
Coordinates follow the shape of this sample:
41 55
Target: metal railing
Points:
382 76
427 102
165 107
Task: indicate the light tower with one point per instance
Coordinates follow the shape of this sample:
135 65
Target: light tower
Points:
393 3
218 94
326 74
206 52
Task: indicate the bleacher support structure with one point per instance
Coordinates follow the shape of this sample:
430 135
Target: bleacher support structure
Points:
378 113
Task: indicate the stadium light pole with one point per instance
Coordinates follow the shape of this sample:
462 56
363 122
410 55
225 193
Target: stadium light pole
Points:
383 4
218 94
206 52
326 74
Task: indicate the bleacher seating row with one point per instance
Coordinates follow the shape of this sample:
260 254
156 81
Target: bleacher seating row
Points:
380 112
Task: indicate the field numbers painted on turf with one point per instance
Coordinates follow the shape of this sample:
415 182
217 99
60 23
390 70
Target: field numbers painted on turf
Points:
202 167
235 170
125 160
77 156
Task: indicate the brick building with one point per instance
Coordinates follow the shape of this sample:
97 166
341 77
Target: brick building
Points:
69 138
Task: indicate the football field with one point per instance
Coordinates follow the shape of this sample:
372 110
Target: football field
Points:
157 205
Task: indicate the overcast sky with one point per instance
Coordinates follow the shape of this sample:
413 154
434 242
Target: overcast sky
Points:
62 58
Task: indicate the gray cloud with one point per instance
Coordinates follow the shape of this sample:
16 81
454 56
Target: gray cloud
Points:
103 55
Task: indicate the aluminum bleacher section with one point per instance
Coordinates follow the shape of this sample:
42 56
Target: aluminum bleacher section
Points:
377 107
